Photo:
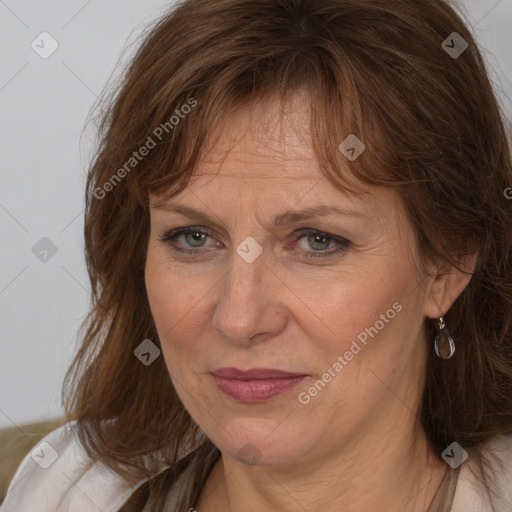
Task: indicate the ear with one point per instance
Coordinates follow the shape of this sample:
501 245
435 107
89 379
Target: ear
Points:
446 284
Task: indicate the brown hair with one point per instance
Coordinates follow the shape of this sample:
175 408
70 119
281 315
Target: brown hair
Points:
432 128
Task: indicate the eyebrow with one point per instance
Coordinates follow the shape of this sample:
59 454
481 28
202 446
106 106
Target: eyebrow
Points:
285 219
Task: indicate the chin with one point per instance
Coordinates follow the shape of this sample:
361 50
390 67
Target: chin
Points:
260 441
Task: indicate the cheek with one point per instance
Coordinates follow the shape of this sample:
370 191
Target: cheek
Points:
174 303
357 300
379 309
172 296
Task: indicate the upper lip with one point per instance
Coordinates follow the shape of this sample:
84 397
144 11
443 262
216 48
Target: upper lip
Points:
254 373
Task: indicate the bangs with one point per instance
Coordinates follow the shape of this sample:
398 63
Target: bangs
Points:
350 121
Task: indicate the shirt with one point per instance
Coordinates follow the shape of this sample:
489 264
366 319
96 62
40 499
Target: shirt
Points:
57 476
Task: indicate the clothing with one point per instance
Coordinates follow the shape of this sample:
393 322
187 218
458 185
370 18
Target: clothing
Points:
68 485
443 499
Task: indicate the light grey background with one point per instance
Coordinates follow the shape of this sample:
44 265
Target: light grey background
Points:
44 104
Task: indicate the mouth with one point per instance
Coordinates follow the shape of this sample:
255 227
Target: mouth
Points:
255 385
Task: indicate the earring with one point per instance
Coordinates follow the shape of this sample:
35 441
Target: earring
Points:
444 344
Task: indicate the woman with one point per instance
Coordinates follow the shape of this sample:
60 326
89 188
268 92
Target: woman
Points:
300 251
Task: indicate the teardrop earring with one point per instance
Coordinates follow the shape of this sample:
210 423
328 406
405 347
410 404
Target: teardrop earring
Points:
444 344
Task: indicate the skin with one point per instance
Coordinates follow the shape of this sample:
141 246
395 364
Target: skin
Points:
358 444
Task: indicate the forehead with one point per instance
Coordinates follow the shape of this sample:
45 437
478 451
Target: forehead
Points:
265 140
262 155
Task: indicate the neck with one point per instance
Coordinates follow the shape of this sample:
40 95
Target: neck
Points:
367 474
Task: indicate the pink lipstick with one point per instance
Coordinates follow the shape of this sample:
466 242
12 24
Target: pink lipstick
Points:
255 385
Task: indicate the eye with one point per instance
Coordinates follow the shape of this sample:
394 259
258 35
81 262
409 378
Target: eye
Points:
319 241
195 238
192 236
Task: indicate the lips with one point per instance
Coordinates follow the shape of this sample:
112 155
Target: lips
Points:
254 374
257 384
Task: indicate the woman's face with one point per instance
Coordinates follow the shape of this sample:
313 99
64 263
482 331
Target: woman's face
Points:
292 296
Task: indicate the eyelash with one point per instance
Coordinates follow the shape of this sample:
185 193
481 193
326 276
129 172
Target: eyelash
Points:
343 243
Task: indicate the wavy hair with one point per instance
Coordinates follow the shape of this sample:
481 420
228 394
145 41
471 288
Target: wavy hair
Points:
433 130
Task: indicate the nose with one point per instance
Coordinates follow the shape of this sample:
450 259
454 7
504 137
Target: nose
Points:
250 306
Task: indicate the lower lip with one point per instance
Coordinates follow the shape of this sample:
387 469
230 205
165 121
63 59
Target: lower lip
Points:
256 390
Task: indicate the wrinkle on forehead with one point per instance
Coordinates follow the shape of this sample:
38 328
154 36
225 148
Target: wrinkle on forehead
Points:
266 135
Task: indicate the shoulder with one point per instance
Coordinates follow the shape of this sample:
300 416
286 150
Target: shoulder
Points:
57 476
470 493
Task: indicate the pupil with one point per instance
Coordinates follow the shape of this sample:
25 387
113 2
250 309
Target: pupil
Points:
319 239
196 236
